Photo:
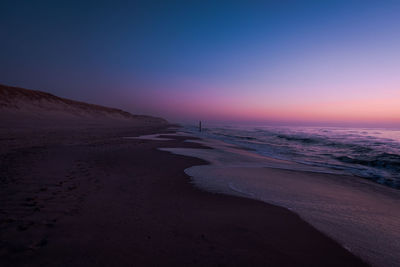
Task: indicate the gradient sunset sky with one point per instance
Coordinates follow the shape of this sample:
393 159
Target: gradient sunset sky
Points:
254 61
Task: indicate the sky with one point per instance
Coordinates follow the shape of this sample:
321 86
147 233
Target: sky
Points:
229 61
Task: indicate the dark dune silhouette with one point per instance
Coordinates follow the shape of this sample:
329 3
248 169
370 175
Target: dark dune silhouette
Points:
23 106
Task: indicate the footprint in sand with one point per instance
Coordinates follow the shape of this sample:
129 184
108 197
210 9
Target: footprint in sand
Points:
43 242
24 227
70 188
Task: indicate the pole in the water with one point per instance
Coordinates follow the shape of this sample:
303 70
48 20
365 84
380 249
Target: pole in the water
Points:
199 126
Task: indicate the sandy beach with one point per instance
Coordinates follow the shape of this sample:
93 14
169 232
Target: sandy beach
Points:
92 197
199 133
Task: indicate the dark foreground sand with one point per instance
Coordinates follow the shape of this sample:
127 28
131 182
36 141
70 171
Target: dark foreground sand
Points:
89 197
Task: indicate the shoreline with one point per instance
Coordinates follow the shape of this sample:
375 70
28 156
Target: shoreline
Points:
361 215
99 198
368 153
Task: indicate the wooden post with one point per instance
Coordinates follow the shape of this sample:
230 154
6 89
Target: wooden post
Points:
199 126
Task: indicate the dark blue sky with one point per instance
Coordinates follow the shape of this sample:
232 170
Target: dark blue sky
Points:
222 58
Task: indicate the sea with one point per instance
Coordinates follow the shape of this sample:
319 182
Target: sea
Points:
370 153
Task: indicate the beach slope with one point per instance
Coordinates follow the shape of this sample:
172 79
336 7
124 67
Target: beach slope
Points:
90 195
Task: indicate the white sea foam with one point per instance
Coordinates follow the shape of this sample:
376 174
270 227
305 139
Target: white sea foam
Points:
361 215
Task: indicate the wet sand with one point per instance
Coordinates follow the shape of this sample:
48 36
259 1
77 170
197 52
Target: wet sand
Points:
92 197
361 215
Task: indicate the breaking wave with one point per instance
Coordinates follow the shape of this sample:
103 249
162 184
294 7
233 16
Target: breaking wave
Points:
368 153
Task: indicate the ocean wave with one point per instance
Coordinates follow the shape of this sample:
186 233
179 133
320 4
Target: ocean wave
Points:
373 154
236 136
305 140
384 160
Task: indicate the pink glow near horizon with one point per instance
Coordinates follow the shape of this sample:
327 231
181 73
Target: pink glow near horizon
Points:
207 102
343 83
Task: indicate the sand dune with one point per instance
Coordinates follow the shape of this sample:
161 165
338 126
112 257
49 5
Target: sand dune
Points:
20 106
